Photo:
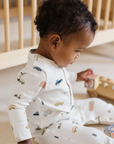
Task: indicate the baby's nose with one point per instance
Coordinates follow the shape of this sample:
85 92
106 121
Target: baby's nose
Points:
78 55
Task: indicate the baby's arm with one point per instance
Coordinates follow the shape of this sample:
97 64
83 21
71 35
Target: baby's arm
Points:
72 77
27 88
81 76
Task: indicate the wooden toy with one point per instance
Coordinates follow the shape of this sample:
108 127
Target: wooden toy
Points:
94 81
105 90
109 131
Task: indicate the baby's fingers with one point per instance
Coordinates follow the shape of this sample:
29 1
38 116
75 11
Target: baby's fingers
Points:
89 72
88 81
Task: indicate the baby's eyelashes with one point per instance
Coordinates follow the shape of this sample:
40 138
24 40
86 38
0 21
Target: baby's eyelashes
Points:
77 51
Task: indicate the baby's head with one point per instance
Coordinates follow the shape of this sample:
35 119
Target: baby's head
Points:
67 26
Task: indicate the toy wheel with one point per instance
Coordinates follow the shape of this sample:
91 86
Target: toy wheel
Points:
92 93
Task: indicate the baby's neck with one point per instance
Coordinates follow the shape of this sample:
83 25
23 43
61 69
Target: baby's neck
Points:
43 49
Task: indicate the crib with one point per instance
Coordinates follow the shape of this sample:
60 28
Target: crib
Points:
103 11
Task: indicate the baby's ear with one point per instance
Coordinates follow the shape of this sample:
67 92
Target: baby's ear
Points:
54 41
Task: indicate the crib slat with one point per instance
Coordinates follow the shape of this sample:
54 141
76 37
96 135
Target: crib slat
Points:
25 2
108 4
90 4
20 14
6 25
113 19
16 3
98 10
0 4
10 3
34 8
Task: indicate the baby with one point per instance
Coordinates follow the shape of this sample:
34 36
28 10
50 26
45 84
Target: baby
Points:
42 106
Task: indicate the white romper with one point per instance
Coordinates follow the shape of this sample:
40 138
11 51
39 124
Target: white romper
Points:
42 107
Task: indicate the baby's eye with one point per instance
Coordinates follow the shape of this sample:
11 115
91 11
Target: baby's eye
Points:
77 51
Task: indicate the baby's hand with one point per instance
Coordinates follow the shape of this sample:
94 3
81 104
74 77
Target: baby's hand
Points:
82 76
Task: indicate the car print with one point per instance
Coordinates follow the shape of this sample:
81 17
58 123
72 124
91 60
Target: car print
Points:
59 125
36 114
72 107
47 112
58 81
74 129
56 137
43 84
34 100
18 96
27 127
46 129
21 81
42 102
23 73
12 107
38 56
59 103
94 135
37 68
43 132
38 128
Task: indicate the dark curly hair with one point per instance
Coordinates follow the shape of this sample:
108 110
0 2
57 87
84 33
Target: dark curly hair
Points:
63 17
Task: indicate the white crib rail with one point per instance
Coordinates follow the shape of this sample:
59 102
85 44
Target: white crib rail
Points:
9 57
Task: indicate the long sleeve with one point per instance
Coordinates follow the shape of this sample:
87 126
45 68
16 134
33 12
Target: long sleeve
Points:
29 84
72 77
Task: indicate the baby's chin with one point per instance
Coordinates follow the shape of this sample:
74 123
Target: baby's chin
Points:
63 66
73 62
